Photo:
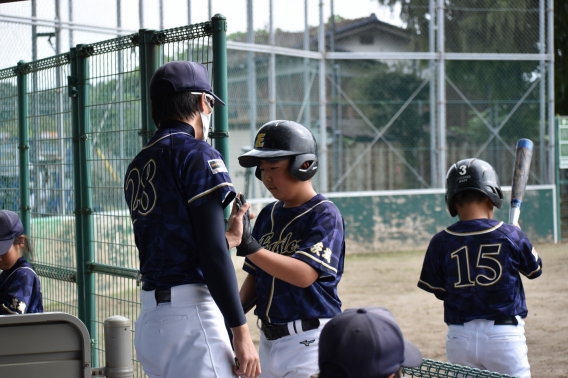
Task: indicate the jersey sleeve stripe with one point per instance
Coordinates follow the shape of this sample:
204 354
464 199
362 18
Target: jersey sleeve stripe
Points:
531 273
208 191
430 286
474 233
321 262
250 266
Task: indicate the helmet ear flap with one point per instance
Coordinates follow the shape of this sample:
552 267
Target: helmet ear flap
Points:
300 173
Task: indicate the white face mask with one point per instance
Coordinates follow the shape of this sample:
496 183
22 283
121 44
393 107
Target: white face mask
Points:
205 120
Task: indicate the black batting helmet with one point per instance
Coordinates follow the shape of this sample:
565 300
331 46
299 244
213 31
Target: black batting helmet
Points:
281 139
472 174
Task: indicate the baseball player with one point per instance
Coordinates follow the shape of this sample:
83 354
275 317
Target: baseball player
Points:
473 266
295 255
20 289
176 189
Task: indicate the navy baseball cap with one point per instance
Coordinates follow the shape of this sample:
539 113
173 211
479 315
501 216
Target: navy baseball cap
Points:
364 343
10 228
182 76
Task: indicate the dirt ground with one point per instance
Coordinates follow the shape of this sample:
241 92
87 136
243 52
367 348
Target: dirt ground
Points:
389 280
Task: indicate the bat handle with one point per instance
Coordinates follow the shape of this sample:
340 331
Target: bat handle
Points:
515 211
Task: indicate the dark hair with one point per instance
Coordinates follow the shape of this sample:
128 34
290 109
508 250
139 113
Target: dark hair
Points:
27 251
469 196
174 105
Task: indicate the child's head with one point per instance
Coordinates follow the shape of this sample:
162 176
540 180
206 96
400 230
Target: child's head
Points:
285 155
472 185
12 239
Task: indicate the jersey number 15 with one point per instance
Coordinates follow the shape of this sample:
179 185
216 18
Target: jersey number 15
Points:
484 261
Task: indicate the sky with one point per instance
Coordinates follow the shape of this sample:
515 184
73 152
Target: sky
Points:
288 15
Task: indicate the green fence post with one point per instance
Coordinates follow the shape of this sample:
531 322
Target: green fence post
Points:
73 83
558 181
24 147
221 113
87 228
149 56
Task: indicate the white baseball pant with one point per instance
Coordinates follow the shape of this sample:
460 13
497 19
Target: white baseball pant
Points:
294 356
184 338
483 345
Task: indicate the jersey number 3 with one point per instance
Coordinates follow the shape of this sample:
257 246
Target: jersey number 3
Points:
143 193
484 261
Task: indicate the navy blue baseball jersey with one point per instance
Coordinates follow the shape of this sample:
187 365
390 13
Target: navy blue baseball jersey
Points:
313 233
172 172
20 290
475 266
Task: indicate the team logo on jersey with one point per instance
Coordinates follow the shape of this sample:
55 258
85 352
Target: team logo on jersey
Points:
307 342
285 246
19 306
325 253
259 140
217 166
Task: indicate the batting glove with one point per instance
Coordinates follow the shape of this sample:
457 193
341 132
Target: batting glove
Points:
248 245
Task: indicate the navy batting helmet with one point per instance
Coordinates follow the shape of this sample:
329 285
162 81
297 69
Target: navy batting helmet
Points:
277 140
472 174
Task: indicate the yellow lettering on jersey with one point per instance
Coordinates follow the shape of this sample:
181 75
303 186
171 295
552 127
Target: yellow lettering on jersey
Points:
327 254
22 307
317 248
259 140
285 246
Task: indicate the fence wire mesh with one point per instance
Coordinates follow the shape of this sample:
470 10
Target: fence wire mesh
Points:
51 181
9 168
114 110
437 369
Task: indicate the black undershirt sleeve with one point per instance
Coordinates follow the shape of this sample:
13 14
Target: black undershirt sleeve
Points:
208 221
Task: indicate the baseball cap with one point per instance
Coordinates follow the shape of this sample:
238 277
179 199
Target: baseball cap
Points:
182 76
364 343
10 228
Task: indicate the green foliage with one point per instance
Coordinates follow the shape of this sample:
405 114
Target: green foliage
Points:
484 26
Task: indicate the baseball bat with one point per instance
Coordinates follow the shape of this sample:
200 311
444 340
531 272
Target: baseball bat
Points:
521 169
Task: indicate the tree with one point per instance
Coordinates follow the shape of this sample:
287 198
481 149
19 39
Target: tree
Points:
484 26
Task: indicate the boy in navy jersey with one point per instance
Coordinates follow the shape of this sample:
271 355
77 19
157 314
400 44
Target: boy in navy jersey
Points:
295 266
474 266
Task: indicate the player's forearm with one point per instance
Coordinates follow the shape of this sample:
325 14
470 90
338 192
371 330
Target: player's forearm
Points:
248 290
285 268
218 270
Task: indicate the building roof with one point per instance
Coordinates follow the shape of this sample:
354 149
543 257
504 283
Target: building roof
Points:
343 29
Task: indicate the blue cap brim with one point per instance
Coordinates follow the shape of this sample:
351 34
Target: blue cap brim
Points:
5 246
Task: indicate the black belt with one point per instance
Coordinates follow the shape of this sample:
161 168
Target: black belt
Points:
163 295
277 331
508 321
